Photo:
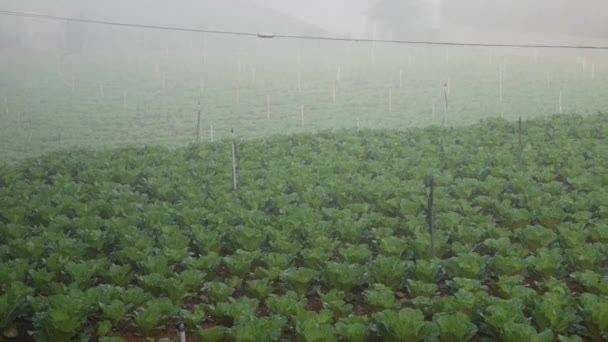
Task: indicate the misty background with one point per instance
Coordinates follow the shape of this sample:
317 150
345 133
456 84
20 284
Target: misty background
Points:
541 21
74 85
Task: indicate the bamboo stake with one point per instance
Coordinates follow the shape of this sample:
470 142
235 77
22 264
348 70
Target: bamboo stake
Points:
238 98
58 64
521 146
234 180
584 64
373 54
445 113
198 124
449 83
299 81
500 80
268 107
333 92
430 215
339 74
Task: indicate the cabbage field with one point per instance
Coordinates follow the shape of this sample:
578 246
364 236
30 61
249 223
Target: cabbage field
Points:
326 237
117 97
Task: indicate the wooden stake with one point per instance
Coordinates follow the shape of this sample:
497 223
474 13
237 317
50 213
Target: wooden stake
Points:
333 92
299 81
238 98
500 79
339 74
373 54
445 113
58 63
431 214
268 107
234 180
521 146
584 64
198 124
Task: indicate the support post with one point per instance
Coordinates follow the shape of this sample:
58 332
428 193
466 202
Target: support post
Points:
521 145
431 214
234 180
198 124
445 113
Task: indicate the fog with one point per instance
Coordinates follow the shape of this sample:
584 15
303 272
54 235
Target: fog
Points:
118 74
412 19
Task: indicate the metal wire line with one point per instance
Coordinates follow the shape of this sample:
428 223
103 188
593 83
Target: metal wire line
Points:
301 37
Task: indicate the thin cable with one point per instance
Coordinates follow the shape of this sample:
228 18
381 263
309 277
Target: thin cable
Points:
302 37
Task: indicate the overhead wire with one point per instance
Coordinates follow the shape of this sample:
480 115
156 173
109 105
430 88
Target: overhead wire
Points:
300 37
